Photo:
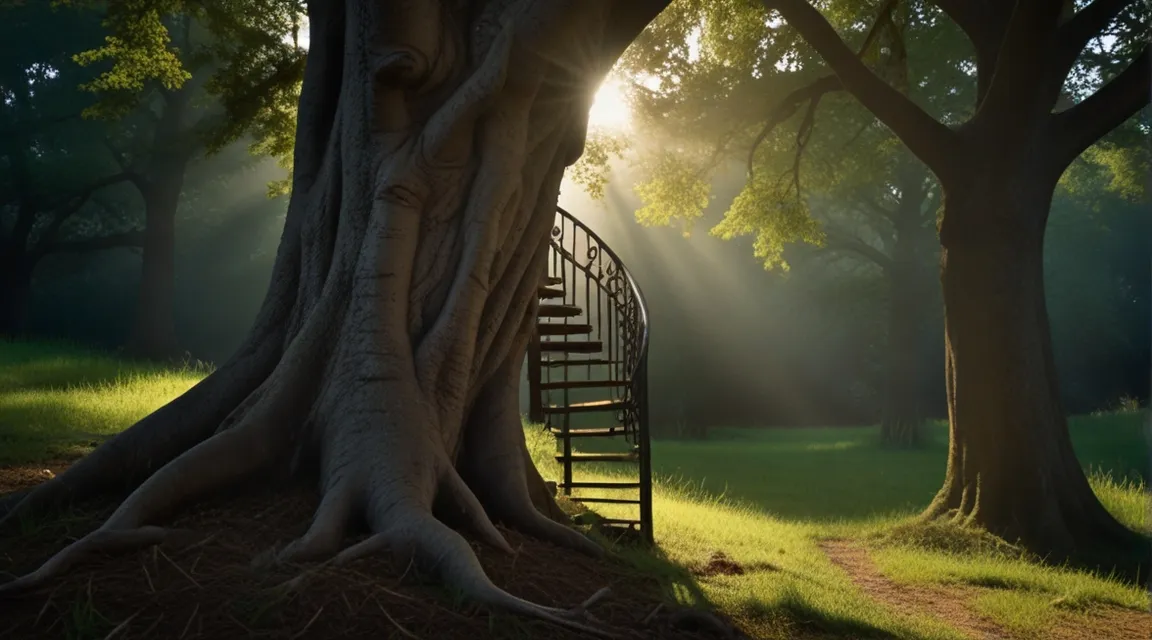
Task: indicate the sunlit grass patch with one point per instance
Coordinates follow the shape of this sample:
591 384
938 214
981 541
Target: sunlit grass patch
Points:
1027 614
913 565
1127 498
61 404
765 499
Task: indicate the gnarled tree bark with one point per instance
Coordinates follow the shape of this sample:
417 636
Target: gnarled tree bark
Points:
431 142
1011 465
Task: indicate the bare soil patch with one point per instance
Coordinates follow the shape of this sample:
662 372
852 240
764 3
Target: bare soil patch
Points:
209 590
951 604
720 564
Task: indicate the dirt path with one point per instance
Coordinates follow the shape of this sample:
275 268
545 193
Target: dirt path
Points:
950 604
946 604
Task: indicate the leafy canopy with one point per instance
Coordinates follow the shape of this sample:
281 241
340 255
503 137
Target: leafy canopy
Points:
245 54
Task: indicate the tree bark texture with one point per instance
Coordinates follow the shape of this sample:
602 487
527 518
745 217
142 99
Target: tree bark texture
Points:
432 138
1011 466
153 333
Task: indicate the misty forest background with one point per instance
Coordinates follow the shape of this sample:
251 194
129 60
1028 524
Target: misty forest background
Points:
733 344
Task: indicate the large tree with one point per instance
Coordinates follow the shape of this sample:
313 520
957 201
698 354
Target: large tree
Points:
1011 465
1051 78
430 146
431 142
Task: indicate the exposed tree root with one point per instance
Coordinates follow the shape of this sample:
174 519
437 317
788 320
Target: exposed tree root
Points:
448 554
430 150
102 540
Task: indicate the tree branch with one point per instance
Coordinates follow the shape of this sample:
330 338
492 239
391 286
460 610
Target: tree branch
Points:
928 139
126 239
1023 65
1085 25
70 205
1078 128
984 22
787 107
815 91
846 242
626 19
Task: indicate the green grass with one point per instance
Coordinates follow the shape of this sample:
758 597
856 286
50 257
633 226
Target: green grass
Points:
765 498
59 400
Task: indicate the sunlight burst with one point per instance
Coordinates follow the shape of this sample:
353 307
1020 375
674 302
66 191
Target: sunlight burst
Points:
610 108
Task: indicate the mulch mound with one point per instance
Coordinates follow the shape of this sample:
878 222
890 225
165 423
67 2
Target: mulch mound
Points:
209 590
720 564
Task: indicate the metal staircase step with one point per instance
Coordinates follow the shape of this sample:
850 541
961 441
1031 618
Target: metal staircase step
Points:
571 346
570 362
557 329
617 522
631 456
587 407
598 485
582 384
548 293
559 311
552 280
608 500
610 432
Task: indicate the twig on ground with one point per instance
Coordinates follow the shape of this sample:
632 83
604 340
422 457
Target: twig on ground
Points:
648 618
240 624
120 627
51 597
404 632
347 603
188 624
301 633
151 627
182 571
582 608
147 576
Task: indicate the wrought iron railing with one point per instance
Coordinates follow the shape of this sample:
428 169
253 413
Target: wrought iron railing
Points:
615 316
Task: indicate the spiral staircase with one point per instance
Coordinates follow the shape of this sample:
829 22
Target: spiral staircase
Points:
588 376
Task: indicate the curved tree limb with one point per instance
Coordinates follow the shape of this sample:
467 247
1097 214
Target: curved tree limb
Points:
984 22
838 241
927 138
1023 65
787 107
816 90
1084 26
1078 128
112 241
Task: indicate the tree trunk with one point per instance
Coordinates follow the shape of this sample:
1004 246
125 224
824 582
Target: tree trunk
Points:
430 148
15 290
153 334
1011 466
902 418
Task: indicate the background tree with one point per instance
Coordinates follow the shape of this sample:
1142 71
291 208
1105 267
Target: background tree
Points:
181 80
51 167
1050 80
845 185
1011 466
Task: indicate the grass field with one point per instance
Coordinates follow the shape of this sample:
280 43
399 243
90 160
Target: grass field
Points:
789 512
